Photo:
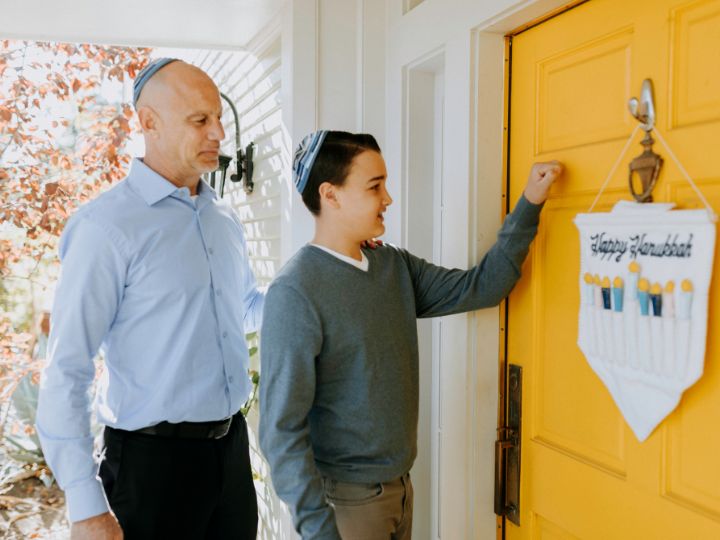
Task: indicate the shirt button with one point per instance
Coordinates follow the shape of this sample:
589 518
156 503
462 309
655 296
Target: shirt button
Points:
210 251
224 334
231 378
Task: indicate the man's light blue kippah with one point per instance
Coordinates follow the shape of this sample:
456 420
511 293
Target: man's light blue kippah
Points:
305 155
146 74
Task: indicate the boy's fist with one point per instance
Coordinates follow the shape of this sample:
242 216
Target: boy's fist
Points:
542 176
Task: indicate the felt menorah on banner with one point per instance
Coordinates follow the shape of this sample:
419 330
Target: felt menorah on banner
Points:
644 281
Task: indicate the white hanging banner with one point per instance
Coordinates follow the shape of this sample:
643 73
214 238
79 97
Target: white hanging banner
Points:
645 273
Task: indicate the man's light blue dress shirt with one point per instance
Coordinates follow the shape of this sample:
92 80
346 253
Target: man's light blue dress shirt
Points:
161 283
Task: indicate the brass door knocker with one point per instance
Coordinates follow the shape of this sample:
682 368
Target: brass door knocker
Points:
648 164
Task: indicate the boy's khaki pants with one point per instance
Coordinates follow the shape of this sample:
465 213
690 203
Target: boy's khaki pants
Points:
372 511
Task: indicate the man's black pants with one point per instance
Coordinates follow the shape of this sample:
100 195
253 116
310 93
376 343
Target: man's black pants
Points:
180 488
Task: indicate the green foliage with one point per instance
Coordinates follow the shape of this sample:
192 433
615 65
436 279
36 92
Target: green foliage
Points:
23 441
253 349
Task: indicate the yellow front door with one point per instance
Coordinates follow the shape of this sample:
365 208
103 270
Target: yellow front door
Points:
583 472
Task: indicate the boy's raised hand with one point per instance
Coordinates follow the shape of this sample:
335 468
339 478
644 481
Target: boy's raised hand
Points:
542 176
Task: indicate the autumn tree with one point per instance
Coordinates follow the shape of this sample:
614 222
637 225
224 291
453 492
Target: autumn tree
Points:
61 142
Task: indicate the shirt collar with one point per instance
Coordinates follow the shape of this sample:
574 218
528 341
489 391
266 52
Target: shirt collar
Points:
205 191
153 187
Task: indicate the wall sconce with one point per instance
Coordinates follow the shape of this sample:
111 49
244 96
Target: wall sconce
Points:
243 160
223 164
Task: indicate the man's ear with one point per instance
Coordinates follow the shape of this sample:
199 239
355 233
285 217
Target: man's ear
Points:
328 195
148 121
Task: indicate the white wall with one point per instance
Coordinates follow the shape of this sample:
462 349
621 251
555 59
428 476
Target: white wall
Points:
422 209
333 58
470 36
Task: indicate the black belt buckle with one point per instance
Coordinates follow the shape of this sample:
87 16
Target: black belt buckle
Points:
219 431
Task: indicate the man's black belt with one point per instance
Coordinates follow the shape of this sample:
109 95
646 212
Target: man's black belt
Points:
189 430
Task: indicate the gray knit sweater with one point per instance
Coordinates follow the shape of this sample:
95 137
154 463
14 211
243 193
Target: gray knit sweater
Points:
339 354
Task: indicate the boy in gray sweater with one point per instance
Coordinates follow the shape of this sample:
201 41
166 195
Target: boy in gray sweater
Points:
339 350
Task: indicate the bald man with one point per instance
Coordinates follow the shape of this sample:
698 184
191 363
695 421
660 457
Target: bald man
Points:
155 275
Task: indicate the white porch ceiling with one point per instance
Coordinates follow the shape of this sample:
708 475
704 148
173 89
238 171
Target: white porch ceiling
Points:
214 24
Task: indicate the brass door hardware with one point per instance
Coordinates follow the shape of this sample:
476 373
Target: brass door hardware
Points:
507 451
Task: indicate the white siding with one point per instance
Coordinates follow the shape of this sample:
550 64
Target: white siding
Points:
252 80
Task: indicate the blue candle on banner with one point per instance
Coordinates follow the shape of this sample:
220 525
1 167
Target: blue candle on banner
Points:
618 293
644 296
656 330
656 299
606 292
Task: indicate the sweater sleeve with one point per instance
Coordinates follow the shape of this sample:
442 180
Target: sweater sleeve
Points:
291 339
442 291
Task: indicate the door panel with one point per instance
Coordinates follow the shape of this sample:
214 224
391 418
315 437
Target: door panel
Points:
584 474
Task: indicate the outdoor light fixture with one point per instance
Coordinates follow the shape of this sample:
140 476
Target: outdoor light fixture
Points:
223 164
243 160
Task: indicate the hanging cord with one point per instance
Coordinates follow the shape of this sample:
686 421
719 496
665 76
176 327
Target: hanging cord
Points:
711 212
615 166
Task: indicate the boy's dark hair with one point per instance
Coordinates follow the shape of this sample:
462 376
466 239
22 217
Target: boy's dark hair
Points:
332 163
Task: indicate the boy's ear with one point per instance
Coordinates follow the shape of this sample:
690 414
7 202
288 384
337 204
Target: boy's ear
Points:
328 195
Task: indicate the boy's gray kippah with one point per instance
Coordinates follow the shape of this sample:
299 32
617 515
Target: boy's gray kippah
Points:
305 155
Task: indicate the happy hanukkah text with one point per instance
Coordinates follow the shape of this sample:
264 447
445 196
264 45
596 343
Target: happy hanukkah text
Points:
608 247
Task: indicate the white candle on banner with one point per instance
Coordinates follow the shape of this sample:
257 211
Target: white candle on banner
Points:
599 332
684 307
631 314
668 315
590 313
